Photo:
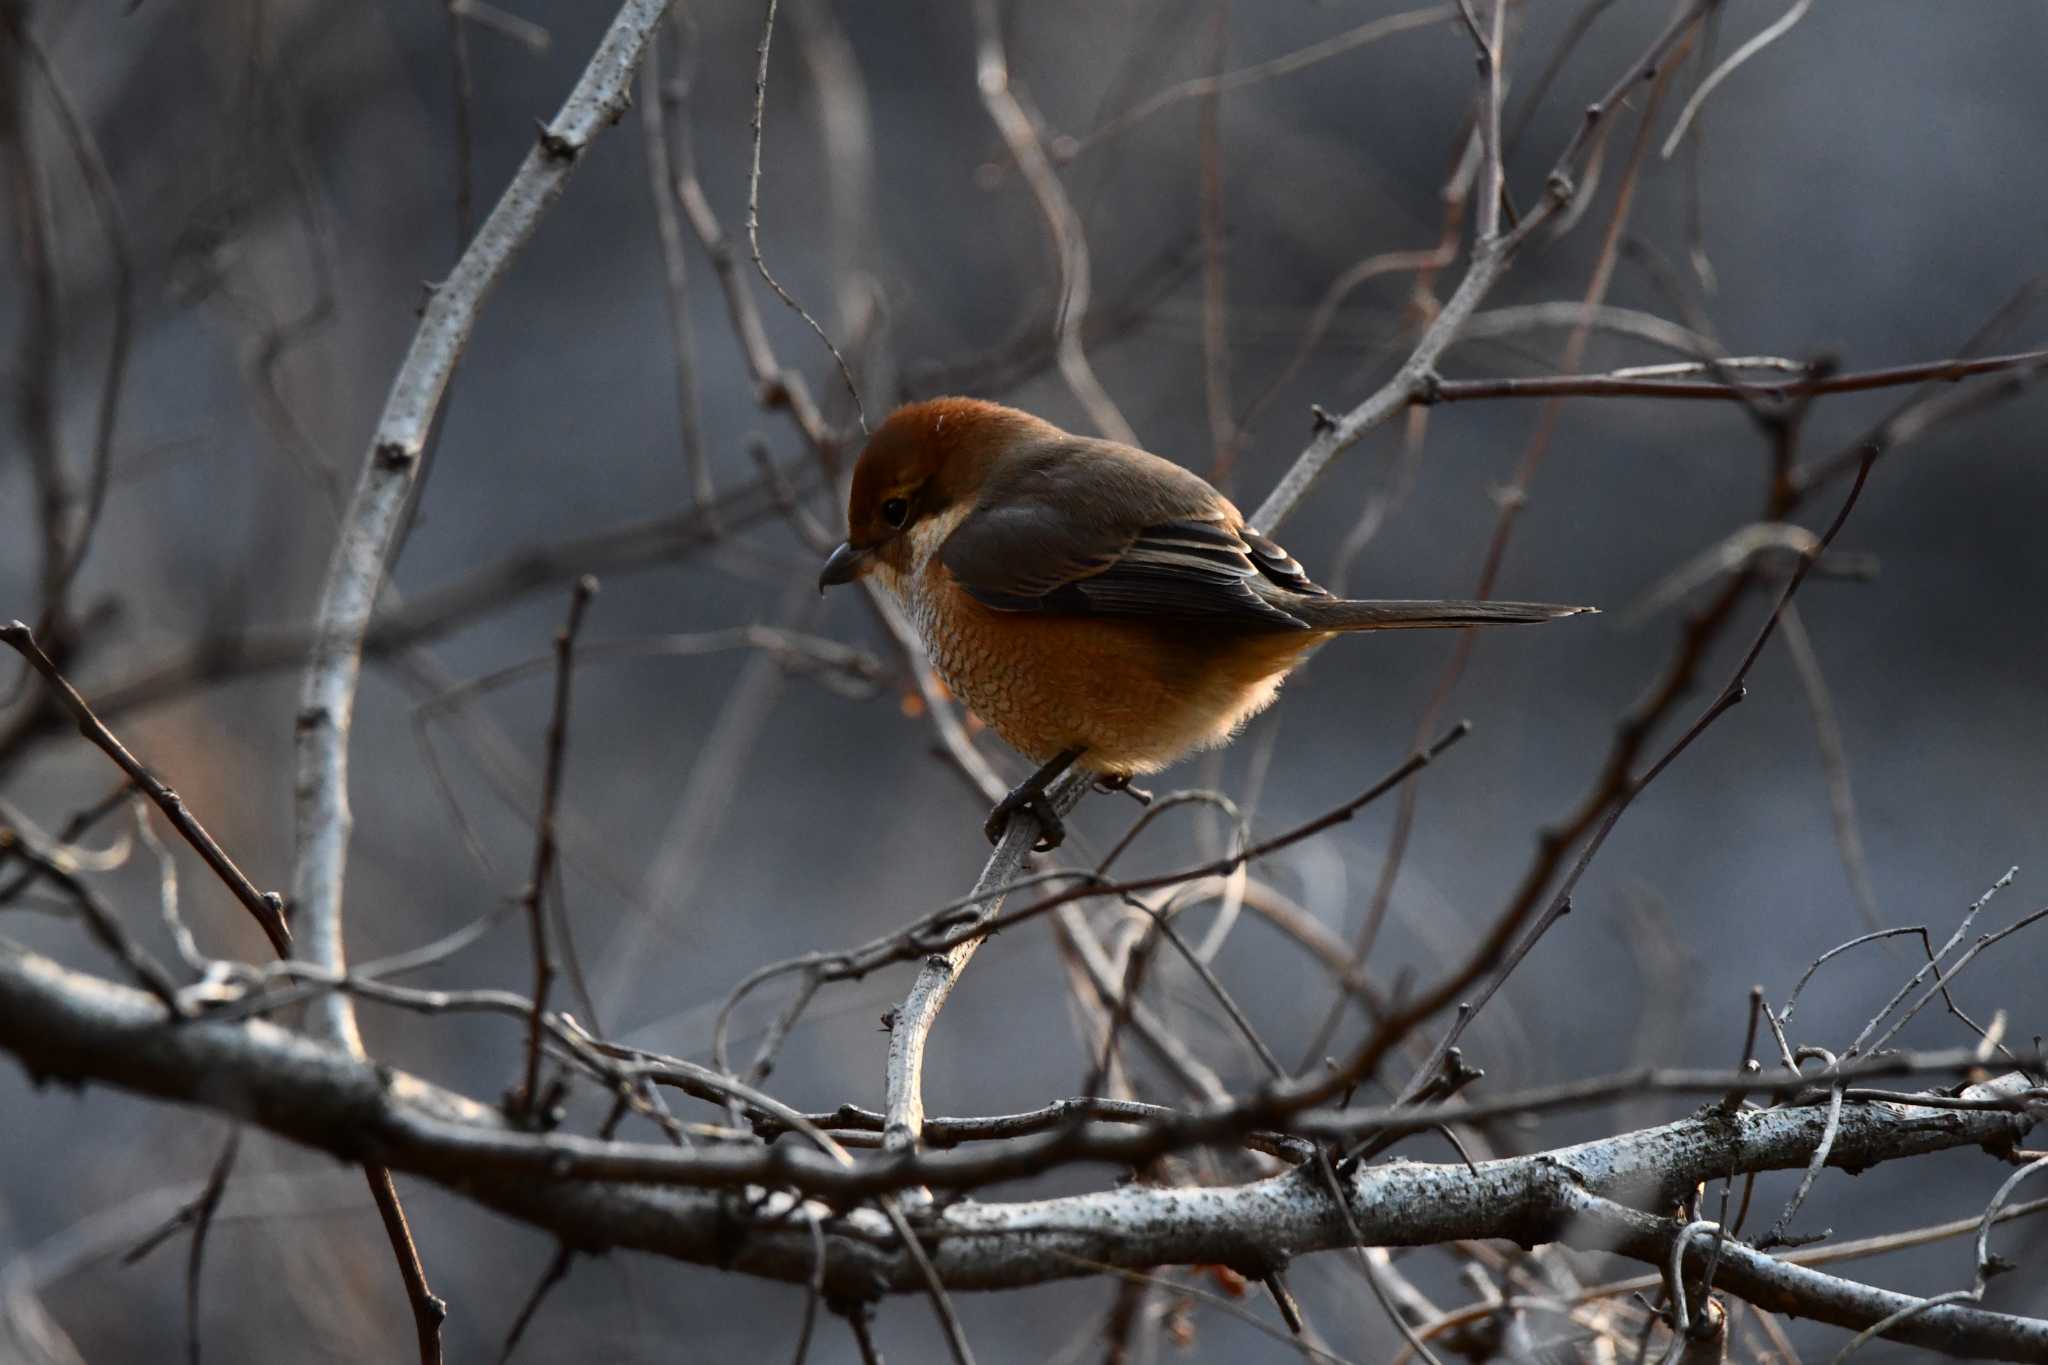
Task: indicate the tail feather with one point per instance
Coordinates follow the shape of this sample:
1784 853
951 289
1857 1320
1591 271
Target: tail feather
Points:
1331 613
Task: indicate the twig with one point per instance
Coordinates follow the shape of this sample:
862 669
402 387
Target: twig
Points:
1674 1284
18 841
1070 247
266 906
1942 979
428 1308
535 893
99 186
1308 1350
959 920
202 1211
1792 1000
464 101
1489 262
1986 1267
1776 1236
1208 87
1624 794
1883 1244
942 1302
556 1271
1492 177
654 125
754 215
814 1288
857 1316
1215 280
167 890
1933 963
1762 40
1629 385
777 387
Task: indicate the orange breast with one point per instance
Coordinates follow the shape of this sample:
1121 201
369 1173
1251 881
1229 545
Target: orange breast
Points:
1133 696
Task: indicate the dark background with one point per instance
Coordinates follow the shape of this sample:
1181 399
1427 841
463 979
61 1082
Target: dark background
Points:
1873 190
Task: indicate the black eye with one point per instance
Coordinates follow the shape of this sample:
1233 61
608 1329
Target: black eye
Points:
895 511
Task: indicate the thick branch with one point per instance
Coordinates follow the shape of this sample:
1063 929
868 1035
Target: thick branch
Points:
66 1025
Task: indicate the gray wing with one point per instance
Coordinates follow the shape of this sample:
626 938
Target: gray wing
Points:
1084 528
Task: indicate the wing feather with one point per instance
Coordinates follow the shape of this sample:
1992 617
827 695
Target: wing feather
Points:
1088 528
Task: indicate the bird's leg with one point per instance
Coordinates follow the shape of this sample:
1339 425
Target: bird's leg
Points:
1030 795
1109 784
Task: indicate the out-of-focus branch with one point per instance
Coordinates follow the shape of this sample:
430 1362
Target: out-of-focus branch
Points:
1070 247
1490 258
427 616
654 126
1747 391
777 387
1208 87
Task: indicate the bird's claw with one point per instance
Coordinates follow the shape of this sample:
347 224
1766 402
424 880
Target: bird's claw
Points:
1053 830
1111 784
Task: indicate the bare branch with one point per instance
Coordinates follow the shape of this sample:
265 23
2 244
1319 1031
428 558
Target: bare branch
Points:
266 906
1070 247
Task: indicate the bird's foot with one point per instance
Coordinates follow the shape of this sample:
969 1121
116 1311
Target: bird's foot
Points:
1028 796
1111 783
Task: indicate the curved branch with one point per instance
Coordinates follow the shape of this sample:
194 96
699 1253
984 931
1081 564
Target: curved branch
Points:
390 471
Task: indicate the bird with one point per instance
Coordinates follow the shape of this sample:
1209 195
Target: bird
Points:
1098 606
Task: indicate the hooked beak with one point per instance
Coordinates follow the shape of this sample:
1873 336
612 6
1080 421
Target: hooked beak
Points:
845 565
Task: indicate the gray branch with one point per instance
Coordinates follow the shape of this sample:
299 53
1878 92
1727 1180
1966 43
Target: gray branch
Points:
369 526
65 1025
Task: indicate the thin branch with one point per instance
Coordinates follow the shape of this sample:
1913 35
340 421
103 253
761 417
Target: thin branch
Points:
1208 87
1762 40
754 216
1628 384
538 881
1070 246
266 906
202 1212
960 920
1489 262
654 125
1215 280
1881 1245
1776 1236
99 187
17 840
942 1302
1834 762
554 1273
429 1310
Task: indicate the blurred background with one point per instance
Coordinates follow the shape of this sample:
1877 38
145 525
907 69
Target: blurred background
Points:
291 175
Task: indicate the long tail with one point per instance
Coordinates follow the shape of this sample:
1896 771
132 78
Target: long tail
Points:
1335 613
